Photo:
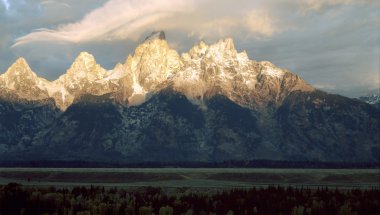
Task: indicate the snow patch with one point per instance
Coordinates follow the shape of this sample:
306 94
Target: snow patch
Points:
271 70
138 95
274 72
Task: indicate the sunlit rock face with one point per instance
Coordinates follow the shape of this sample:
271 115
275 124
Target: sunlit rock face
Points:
152 67
83 77
211 103
205 71
215 69
220 69
22 81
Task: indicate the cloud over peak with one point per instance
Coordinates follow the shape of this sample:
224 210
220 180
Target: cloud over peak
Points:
119 19
116 19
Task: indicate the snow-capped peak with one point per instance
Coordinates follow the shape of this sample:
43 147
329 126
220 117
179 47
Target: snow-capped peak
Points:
21 62
20 68
226 44
216 68
222 49
153 63
84 62
18 73
84 70
204 71
20 79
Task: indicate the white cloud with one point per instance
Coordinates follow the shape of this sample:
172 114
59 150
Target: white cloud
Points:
321 5
256 23
114 20
6 4
316 5
51 2
120 19
261 22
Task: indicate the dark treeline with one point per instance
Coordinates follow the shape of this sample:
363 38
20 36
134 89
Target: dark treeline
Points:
224 164
15 199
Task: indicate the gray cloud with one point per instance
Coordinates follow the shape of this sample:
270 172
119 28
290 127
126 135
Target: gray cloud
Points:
333 44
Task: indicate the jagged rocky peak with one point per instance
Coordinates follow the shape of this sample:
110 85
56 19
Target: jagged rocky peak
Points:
222 52
81 78
289 81
85 62
220 69
22 81
18 72
20 69
220 47
21 61
215 69
206 70
271 70
82 72
153 63
223 46
87 58
156 35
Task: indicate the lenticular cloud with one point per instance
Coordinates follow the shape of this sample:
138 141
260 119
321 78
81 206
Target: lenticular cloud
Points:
116 19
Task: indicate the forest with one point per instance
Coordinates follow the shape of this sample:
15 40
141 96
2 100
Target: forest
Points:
18 199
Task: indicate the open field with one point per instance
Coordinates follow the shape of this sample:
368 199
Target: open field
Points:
192 177
189 191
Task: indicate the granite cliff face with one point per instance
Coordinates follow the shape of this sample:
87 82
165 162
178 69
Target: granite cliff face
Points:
210 104
203 72
21 80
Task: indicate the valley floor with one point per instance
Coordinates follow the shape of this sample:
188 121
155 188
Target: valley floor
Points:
189 191
192 178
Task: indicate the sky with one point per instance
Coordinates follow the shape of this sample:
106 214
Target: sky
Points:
332 44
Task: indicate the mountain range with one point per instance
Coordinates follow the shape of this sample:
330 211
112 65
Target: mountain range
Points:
372 98
210 104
